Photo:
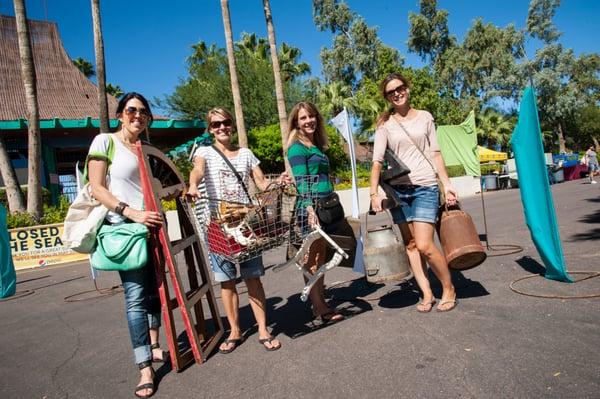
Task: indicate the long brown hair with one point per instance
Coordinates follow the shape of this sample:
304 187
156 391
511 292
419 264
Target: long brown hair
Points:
294 131
388 112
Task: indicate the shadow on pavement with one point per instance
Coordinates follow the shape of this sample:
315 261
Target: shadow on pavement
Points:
531 265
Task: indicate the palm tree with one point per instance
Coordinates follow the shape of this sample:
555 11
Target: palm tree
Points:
14 195
84 66
283 125
34 184
114 91
100 73
493 127
333 97
288 60
235 85
253 46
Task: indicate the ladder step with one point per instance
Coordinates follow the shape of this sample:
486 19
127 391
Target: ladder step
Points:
182 244
193 297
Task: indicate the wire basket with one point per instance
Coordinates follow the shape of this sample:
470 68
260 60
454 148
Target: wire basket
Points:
239 231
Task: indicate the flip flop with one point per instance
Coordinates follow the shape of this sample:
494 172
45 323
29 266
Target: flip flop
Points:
149 385
236 342
425 307
269 341
454 302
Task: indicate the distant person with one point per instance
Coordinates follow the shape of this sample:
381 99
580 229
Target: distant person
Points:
305 152
410 133
592 162
123 197
222 184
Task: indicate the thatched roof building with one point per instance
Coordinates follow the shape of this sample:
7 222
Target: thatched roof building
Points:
68 104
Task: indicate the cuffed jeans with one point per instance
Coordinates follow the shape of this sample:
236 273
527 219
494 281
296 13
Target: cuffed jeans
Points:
142 307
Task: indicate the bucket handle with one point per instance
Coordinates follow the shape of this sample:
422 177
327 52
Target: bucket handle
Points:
394 226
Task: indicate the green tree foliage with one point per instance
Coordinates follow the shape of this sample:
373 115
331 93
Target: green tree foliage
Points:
356 46
484 67
564 83
429 35
207 84
114 90
266 145
493 127
84 66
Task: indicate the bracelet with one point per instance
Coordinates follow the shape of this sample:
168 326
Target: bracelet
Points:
120 208
373 194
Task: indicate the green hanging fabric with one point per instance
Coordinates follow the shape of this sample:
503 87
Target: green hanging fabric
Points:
458 144
8 277
538 204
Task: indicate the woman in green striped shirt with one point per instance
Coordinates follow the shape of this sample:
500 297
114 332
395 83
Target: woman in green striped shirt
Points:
306 143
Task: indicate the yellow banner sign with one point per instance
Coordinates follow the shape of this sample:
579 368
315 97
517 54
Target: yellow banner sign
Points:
40 246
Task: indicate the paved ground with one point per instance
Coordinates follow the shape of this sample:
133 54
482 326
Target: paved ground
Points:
496 344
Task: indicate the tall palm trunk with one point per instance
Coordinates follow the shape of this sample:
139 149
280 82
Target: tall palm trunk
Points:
283 125
100 67
235 86
14 195
34 184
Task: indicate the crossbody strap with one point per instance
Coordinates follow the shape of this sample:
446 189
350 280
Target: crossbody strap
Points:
235 172
415 144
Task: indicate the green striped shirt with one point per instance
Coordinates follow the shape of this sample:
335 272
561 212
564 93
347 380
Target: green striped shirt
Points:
310 161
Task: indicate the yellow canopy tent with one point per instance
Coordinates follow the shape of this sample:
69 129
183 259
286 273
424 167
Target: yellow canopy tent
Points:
486 155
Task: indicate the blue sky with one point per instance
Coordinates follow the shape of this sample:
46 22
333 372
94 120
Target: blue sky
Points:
146 42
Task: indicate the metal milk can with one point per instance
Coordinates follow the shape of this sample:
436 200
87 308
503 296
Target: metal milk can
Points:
459 239
384 252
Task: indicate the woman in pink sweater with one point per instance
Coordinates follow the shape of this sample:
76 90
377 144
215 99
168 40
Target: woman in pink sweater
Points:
410 134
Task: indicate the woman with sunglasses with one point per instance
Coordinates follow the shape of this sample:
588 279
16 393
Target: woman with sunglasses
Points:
222 183
305 152
411 135
122 195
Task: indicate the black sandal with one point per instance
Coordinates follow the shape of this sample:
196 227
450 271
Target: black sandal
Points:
164 356
148 385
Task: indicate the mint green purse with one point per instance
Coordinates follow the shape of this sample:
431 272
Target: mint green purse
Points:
121 247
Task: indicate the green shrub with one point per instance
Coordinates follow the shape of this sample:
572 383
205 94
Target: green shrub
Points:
46 196
170 205
455 170
491 168
18 219
51 215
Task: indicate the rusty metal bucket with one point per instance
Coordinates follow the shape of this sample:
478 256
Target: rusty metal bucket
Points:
384 253
459 239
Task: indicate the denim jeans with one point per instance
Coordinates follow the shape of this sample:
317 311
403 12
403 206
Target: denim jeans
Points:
142 307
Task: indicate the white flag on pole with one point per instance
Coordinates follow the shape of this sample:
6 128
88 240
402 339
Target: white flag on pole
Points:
342 124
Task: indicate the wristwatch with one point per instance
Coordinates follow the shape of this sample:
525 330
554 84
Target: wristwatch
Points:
120 208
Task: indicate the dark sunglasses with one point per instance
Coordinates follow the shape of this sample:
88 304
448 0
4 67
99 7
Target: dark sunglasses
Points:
217 124
397 91
131 111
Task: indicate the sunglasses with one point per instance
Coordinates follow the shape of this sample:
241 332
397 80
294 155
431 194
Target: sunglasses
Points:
397 91
131 111
217 124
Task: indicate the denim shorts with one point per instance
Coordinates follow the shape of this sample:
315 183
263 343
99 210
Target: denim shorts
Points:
224 270
417 204
593 167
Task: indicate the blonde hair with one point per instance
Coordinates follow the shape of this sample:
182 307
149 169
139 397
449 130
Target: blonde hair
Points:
296 134
388 112
218 111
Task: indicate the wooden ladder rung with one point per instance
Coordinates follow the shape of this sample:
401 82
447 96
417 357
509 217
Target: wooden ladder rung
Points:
196 295
180 245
